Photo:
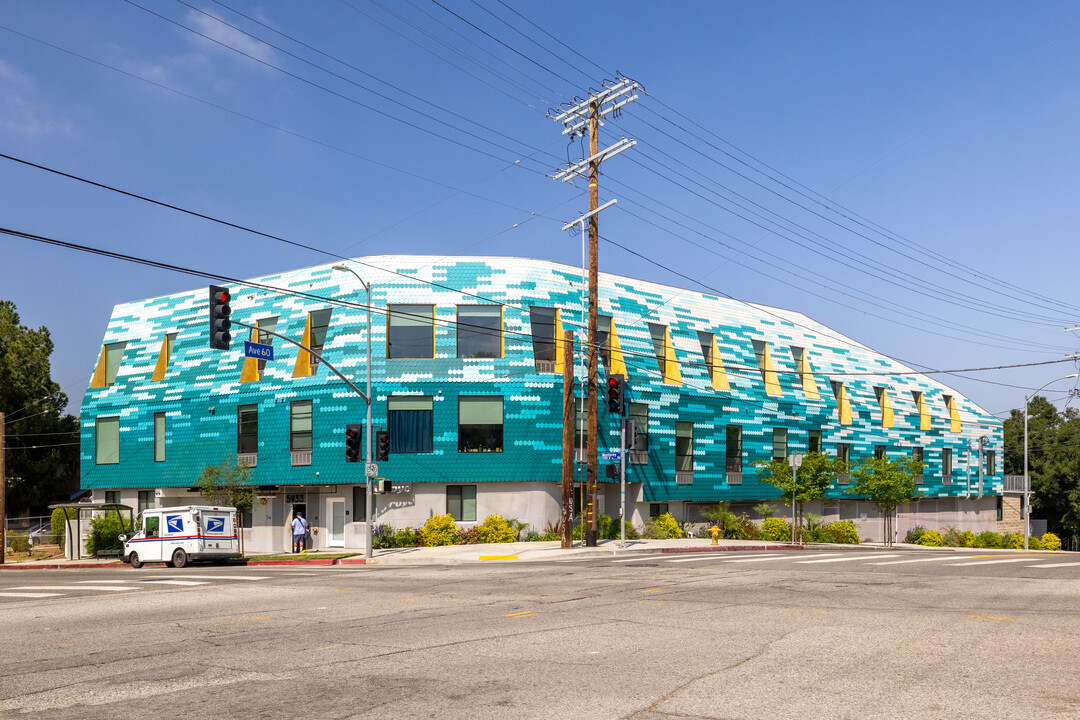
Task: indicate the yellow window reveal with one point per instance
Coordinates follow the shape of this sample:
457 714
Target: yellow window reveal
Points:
768 370
920 405
843 404
108 365
607 338
665 354
954 413
253 368
560 352
164 354
806 373
314 337
714 364
886 406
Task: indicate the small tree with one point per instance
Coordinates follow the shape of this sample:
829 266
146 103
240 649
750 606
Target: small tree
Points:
816 475
888 483
228 484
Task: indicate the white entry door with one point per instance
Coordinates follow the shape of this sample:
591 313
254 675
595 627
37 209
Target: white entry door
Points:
337 522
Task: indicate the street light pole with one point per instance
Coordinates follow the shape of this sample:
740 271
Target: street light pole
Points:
367 428
1027 476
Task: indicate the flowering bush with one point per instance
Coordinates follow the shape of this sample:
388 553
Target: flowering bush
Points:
931 538
495 529
843 532
1050 541
439 530
468 537
774 529
667 527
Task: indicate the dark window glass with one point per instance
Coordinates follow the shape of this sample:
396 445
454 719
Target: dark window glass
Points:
159 437
247 429
814 442
991 464
112 496
320 321
359 503
480 424
733 450
150 526
658 333
543 337
946 465
479 331
1000 508
779 444
461 502
300 426
603 339
705 339
684 446
146 499
410 331
639 413
843 453
410 420
657 509
879 452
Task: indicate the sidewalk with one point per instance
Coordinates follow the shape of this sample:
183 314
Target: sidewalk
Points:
456 554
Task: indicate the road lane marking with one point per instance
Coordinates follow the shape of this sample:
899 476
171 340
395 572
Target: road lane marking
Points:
633 559
1072 564
211 577
991 617
718 556
780 557
172 582
991 562
526 613
113 582
929 559
74 587
653 590
849 559
29 594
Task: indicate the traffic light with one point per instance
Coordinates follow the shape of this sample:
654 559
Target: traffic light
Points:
616 386
630 433
382 445
612 471
352 443
219 318
383 486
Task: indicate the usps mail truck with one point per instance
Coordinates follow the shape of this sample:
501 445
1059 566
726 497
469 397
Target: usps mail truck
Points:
179 536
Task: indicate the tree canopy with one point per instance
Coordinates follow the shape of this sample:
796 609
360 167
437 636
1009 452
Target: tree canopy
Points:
886 482
816 474
42 443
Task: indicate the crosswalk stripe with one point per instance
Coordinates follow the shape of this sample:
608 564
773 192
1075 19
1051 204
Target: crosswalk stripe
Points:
849 559
991 562
173 582
74 587
927 559
29 594
719 556
779 557
1049 565
102 582
212 577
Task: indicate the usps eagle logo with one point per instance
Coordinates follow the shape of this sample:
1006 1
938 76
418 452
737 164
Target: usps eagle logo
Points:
215 525
175 523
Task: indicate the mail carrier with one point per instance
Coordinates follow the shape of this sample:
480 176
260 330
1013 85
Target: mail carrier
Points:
178 536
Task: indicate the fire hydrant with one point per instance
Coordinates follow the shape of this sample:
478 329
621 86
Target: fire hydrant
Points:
715 534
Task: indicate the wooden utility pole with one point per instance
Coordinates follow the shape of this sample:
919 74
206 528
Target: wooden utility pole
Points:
3 494
567 526
594 234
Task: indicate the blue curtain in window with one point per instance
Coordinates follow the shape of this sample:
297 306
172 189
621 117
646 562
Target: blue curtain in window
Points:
411 431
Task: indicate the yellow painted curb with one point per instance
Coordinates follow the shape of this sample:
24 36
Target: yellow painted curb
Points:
498 557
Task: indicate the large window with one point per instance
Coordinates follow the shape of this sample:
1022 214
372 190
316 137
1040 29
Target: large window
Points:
684 447
813 442
461 502
107 440
300 426
991 464
542 320
779 444
359 503
247 429
639 413
112 496
410 331
410 420
733 450
480 424
946 466
159 437
479 331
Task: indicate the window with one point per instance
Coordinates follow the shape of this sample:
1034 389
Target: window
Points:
946 466
247 429
544 320
318 323
479 331
461 502
410 420
843 454
843 404
879 452
108 365
1000 508
480 424
806 373
146 501
164 354
885 404
639 413
813 442
733 451
112 496
954 413
159 437
917 461
253 368
410 331
107 440
300 426
150 524
991 464
920 405
657 509
779 444
684 447
665 354
768 370
603 340
359 503
714 365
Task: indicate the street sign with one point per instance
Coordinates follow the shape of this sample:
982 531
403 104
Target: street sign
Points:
371 470
794 461
258 351
611 455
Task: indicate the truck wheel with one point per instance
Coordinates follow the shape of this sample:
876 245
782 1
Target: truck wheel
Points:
135 561
179 558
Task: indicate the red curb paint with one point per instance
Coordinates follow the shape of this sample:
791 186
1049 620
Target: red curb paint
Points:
289 562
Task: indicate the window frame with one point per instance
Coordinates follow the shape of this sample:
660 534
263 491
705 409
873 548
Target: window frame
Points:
728 455
159 437
104 456
779 432
946 466
460 504
297 436
414 317
240 425
464 400
641 431
684 446
474 331
395 423
811 435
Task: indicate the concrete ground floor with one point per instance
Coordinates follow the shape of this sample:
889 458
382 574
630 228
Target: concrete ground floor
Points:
337 519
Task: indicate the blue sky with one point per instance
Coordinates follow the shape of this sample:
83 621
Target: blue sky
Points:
902 172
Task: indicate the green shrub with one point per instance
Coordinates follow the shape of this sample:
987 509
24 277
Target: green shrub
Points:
407 537
1034 543
952 537
765 510
989 539
532 536
667 527
774 529
104 530
844 532
551 535
1049 541
931 538
496 529
19 543
1014 541
468 537
914 534
57 527
969 539
439 530
383 536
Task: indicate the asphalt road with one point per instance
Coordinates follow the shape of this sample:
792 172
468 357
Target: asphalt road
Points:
743 635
